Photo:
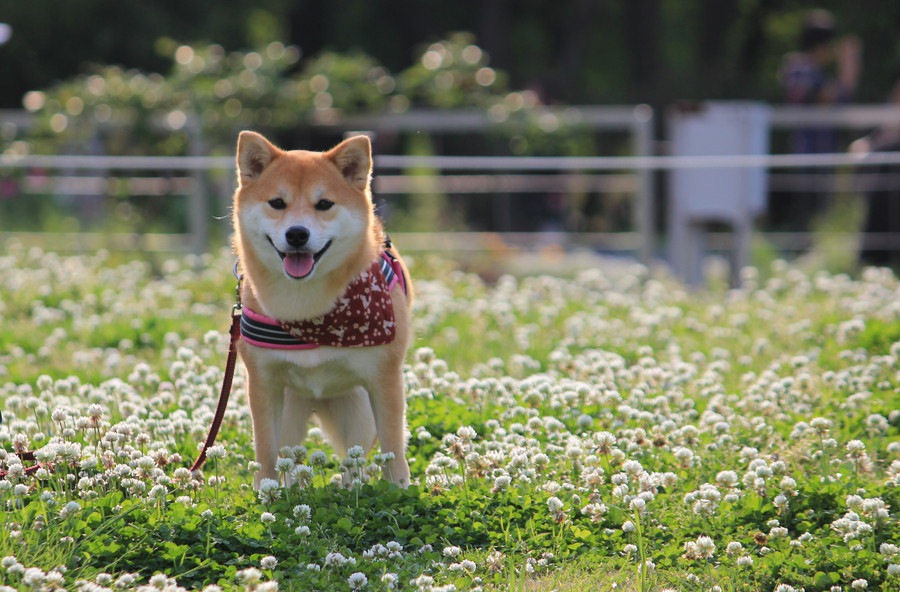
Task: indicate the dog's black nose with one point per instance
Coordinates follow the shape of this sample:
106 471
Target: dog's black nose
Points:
297 236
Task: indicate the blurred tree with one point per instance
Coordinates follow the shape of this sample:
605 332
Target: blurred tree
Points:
53 41
574 51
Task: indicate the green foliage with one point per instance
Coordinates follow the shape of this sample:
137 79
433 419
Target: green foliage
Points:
210 94
452 73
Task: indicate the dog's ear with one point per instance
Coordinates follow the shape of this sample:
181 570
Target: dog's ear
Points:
254 154
353 158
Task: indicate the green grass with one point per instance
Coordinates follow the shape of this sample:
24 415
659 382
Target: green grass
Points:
565 434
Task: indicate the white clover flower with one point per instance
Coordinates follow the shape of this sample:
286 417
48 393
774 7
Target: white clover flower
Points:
390 580
17 569
33 577
554 504
451 551
633 468
780 501
383 458
357 580
423 582
267 517
302 530
733 548
466 433
893 569
727 478
821 424
744 561
249 577
69 509
159 581
706 548
268 562
215 452
302 475
125 580
501 483
269 491
182 475
859 584
684 456
856 447
302 512
628 526
394 547
283 465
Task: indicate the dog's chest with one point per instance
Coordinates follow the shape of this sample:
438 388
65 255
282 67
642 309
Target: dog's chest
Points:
326 372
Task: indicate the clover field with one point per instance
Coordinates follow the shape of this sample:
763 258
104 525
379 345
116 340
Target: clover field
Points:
607 430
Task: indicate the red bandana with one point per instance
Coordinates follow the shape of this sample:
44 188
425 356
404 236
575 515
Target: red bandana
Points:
363 316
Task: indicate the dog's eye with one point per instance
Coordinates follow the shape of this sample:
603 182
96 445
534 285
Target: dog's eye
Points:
277 203
324 204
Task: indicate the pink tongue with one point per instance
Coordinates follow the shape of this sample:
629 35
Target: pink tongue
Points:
298 265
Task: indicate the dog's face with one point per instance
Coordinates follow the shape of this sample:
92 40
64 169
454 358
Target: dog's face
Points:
303 213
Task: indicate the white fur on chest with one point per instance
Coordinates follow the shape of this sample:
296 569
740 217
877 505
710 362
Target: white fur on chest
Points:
323 372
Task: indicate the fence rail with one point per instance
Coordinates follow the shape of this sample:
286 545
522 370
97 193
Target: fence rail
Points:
634 175
599 174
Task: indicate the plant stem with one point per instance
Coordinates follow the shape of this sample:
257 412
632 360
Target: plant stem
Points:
642 567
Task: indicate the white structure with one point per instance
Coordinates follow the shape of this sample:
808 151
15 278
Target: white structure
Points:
700 197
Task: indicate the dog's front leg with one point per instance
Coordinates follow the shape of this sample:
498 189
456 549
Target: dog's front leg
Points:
389 406
266 398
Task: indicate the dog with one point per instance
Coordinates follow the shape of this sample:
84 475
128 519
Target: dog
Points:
325 321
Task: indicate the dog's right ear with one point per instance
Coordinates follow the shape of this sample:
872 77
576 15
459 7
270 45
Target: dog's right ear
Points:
254 154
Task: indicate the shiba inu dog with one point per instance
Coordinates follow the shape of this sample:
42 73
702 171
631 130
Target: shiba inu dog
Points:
325 317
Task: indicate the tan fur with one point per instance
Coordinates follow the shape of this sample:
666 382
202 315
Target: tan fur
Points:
356 393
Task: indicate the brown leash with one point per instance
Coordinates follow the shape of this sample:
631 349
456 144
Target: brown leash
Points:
226 388
26 456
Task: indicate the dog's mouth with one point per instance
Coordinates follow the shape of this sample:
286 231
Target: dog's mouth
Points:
299 264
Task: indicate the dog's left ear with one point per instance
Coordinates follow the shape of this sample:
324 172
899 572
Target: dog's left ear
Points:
353 158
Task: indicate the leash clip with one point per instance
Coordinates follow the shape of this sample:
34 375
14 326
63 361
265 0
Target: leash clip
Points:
237 289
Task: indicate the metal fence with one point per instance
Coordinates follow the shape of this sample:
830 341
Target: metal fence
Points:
636 175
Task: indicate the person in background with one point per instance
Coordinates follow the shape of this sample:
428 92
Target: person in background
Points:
824 71
882 225
807 78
